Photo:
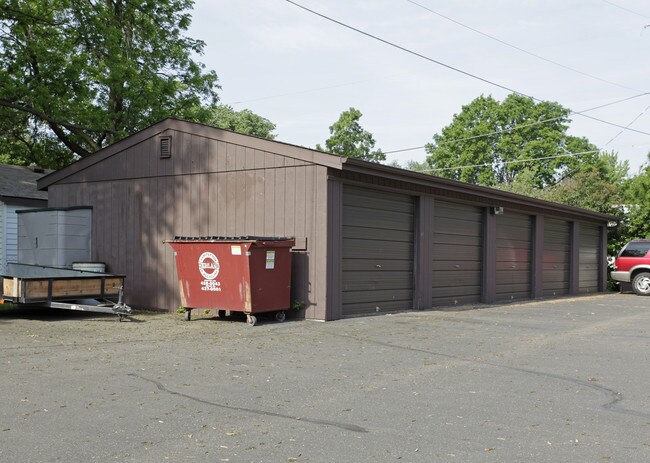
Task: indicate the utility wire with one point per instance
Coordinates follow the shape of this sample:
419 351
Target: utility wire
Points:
496 39
633 121
440 63
529 124
626 9
516 161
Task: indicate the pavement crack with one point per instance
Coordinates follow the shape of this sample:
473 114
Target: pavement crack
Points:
614 397
163 388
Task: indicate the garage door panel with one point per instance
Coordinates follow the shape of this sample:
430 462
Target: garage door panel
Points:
446 209
515 277
456 279
365 233
373 249
373 299
513 292
375 199
559 257
590 259
458 265
378 280
556 278
518 266
354 265
378 250
457 240
457 226
513 256
458 253
362 217
461 253
555 265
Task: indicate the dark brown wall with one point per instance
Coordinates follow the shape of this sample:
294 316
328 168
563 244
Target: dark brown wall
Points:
513 248
208 187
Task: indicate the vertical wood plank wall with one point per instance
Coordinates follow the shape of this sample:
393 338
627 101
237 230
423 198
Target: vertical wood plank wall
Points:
206 188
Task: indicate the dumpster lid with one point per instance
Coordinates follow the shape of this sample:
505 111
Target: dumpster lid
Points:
180 239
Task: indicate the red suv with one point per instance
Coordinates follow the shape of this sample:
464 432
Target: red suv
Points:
633 265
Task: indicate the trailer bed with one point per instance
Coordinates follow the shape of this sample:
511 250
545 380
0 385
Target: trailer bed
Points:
55 287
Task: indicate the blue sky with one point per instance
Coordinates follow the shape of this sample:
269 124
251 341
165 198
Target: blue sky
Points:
301 71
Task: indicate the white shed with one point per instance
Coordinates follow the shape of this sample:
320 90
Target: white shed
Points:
17 192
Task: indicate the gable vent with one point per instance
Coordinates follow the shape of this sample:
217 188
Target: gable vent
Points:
165 147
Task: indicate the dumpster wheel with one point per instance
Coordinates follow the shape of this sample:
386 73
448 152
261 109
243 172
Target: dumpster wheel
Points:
251 319
280 316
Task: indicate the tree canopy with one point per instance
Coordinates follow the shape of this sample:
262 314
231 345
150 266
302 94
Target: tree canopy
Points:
638 203
349 139
86 74
491 143
244 121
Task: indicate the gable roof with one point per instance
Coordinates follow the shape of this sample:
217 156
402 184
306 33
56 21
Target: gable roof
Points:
313 156
19 182
262 144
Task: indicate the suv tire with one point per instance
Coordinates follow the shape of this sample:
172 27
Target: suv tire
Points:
641 284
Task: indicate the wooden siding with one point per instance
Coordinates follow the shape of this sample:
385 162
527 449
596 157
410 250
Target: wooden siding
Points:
513 256
377 251
589 257
206 188
457 254
556 257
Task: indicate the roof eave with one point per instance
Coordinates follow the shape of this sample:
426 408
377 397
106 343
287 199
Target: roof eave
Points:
396 173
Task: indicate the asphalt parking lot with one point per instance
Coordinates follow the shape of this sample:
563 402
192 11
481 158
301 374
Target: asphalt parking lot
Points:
554 381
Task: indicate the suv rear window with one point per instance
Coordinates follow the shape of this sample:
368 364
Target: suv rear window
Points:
636 249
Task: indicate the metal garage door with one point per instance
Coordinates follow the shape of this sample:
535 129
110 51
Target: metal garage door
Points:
589 239
377 251
458 253
556 257
513 254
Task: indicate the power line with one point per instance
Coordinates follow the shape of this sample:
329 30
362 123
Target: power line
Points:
529 124
440 63
633 121
503 42
626 9
516 161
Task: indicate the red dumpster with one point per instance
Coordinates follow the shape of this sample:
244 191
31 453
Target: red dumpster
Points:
242 274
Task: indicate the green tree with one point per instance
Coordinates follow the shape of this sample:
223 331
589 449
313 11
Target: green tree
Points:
491 143
349 139
638 203
24 141
244 121
88 73
598 186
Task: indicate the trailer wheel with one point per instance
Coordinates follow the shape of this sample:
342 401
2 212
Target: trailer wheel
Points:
280 316
221 313
188 315
251 320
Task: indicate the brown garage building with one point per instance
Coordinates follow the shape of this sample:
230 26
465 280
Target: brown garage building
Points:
369 238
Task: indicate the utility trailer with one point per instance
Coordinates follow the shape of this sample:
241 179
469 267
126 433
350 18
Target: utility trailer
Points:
63 288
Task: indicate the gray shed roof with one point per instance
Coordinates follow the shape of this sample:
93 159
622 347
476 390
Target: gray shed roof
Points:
19 182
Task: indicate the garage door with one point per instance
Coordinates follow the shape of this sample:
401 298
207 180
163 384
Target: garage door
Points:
458 253
589 239
556 257
513 254
377 251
